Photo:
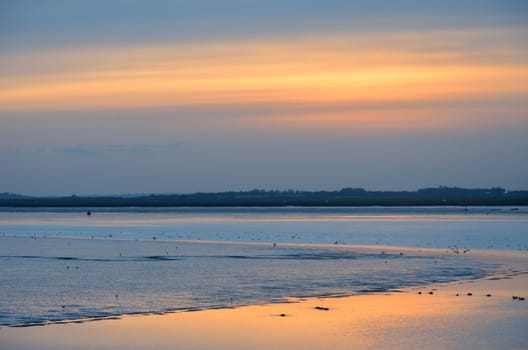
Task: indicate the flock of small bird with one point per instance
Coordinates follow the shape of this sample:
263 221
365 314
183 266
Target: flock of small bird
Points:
456 250
322 308
515 297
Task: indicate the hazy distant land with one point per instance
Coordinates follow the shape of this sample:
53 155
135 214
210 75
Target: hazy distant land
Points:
440 196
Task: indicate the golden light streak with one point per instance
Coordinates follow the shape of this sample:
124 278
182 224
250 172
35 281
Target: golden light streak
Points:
314 72
168 88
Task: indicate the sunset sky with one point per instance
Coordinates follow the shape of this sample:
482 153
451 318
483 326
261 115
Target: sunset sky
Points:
109 97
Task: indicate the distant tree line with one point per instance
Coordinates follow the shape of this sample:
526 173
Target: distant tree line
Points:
438 196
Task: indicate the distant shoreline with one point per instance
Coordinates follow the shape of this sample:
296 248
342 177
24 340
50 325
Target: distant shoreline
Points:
356 197
256 204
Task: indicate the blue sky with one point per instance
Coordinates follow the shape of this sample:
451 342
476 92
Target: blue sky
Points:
106 97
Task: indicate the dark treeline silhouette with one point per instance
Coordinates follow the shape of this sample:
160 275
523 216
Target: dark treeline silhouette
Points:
345 197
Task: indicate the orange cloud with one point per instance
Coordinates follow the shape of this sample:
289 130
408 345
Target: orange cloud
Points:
311 72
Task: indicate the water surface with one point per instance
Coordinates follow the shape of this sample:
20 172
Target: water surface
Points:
58 264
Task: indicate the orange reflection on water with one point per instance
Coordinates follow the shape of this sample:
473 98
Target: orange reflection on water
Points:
354 322
441 320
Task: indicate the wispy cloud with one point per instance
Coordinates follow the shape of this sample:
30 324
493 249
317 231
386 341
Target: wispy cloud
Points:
77 150
133 149
298 71
141 149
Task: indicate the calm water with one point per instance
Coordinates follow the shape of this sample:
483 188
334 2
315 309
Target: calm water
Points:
58 264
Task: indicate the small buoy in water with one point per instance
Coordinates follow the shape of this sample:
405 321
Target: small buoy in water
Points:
469 294
88 213
282 315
